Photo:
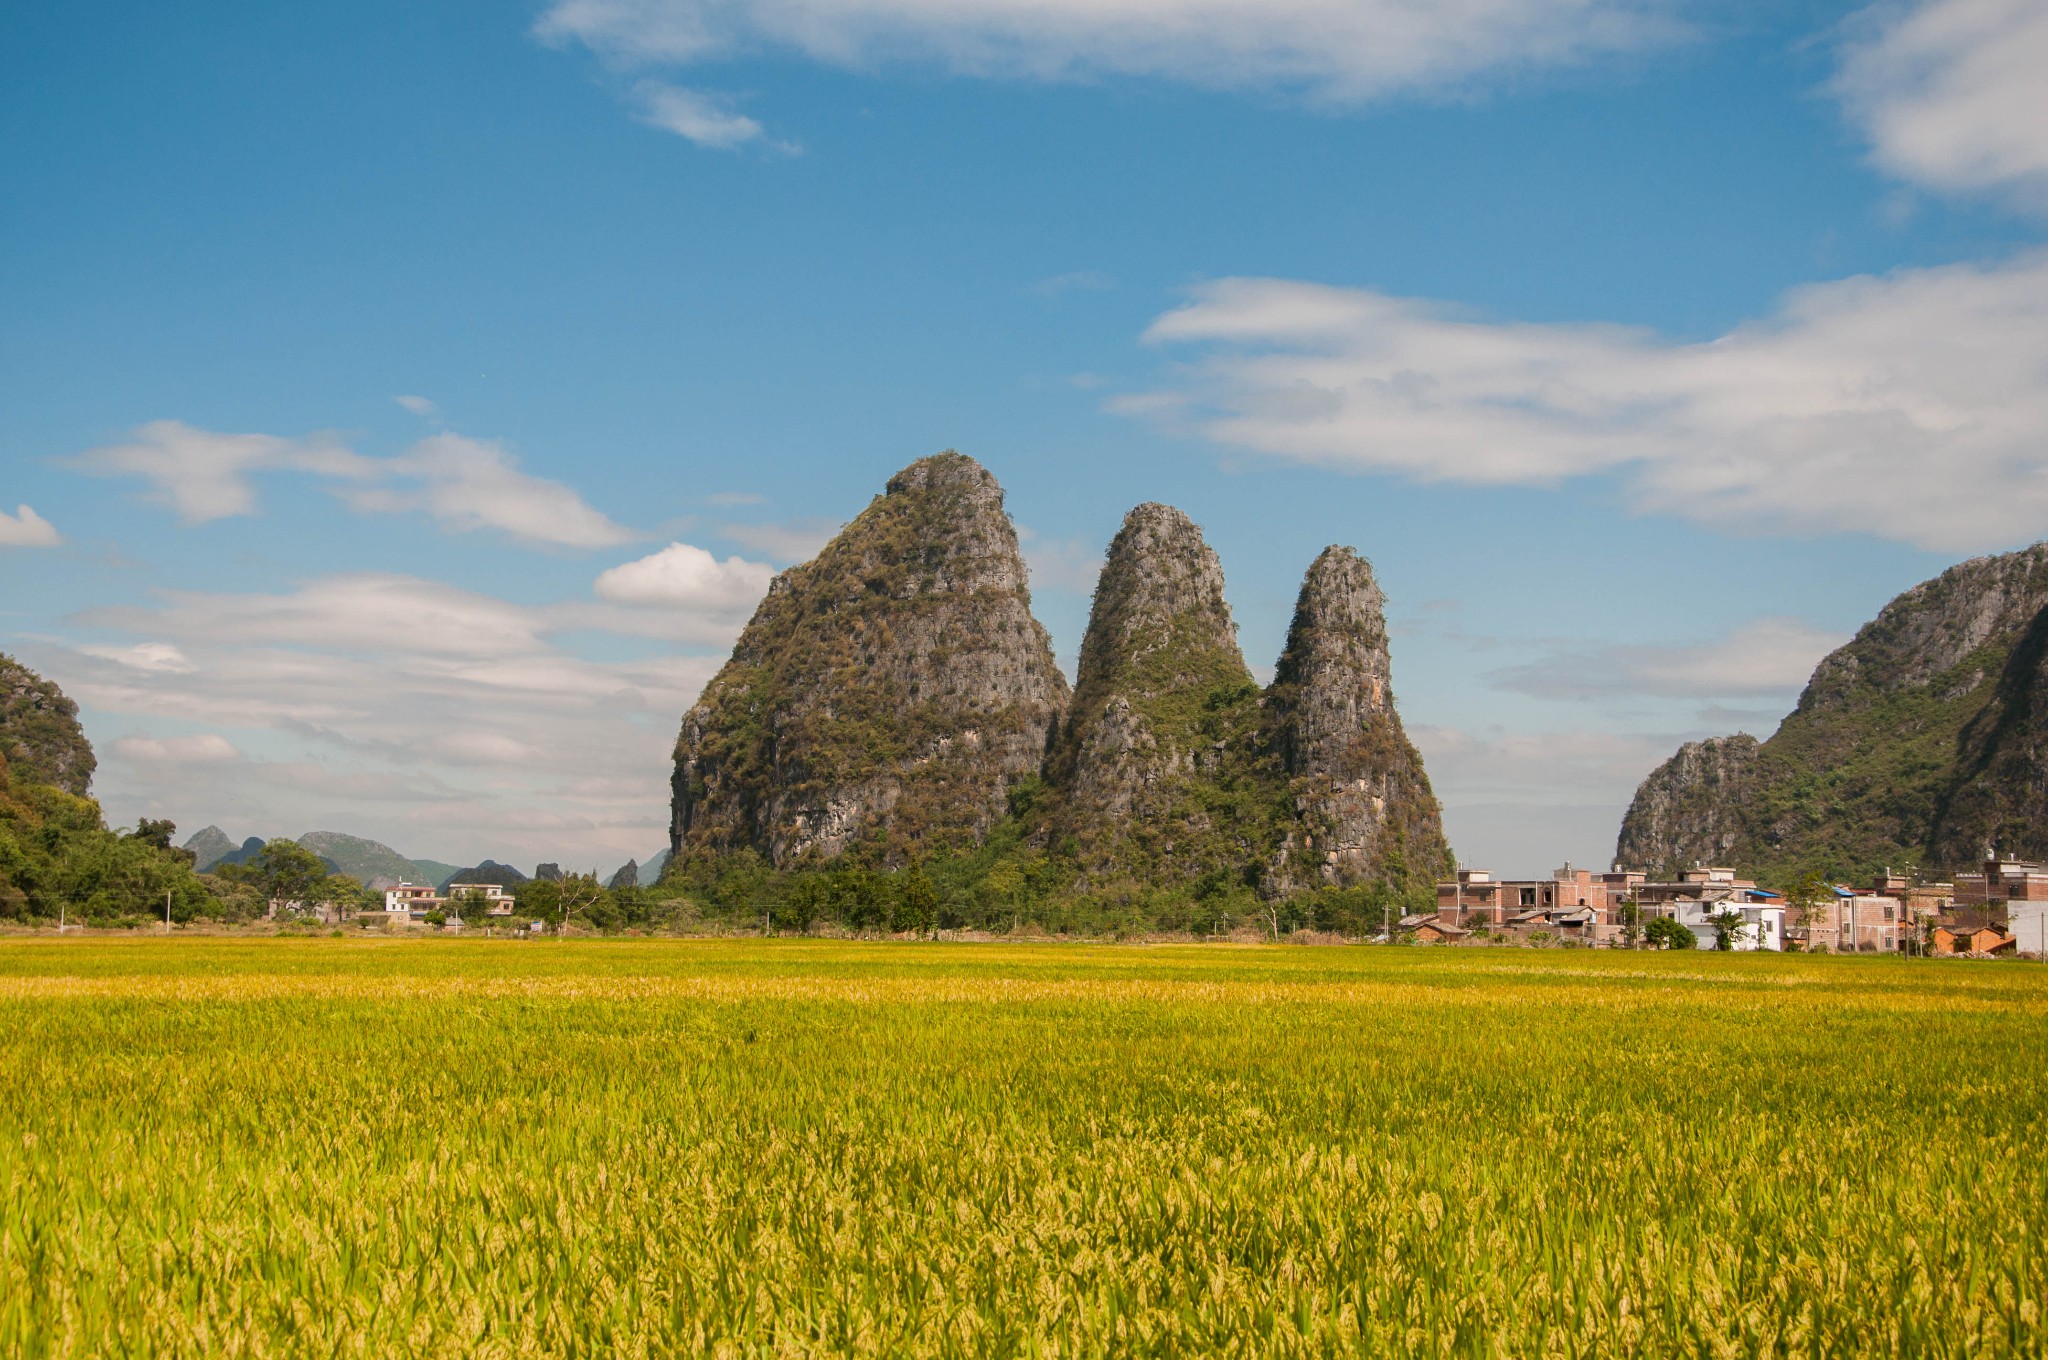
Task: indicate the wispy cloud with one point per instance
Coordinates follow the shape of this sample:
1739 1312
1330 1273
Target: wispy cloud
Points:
467 485
475 484
1953 96
26 529
1062 564
206 475
1079 281
1768 656
1335 49
790 541
1889 405
419 406
205 747
438 719
700 116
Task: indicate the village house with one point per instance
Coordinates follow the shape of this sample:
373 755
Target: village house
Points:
1956 939
412 901
1849 921
2000 882
1571 901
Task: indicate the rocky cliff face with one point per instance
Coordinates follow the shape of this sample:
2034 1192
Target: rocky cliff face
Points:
886 696
39 732
1363 805
1690 810
1910 745
1156 771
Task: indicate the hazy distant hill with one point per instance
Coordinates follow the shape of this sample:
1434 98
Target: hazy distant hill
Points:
344 854
364 859
208 846
490 871
434 871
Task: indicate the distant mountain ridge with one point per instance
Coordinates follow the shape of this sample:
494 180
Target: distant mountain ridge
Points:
372 862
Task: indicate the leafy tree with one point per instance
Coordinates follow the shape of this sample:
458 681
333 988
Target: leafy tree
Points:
1630 917
1729 926
1665 933
1811 897
347 895
918 906
541 899
288 872
472 906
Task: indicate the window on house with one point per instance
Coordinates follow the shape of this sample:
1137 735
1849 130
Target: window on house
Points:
1528 897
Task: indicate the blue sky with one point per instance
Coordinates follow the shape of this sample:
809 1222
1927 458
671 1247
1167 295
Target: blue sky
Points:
1645 347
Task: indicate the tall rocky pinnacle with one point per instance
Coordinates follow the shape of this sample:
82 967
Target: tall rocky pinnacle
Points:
1691 809
1365 811
39 732
886 697
1156 773
1916 743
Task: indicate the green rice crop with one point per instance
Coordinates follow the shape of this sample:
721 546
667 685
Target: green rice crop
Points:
738 1148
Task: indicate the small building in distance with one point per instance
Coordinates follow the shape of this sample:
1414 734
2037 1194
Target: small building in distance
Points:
500 901
2000 881
407 898
1972 940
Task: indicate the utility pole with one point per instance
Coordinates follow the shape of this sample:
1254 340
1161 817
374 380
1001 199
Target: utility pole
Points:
167 911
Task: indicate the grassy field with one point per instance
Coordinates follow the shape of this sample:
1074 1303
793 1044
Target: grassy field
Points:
339 1147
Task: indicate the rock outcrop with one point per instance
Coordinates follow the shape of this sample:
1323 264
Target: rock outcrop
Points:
208 846
1157 771
39 732
1690 810
887 696
1913 744
1363 805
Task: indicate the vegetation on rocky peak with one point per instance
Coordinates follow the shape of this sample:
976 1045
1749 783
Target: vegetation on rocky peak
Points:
39 732
1911 747
886 695
823 776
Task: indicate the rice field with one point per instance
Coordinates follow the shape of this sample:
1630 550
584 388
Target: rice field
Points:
738 1148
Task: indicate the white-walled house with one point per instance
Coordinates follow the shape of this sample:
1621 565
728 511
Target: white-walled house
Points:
1763 923
2027 923
407 898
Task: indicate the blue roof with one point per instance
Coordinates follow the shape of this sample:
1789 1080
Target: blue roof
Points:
1759 892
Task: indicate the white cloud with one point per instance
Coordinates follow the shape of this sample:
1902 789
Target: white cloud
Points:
204 475
687 576
1767 656
26 529
419 406
1337 49
362 611
474 484
145 656
1953 94
466 484
445 722
699 116
207 746
1912 406
730 499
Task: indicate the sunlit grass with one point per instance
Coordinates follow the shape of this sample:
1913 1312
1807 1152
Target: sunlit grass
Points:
340 1147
